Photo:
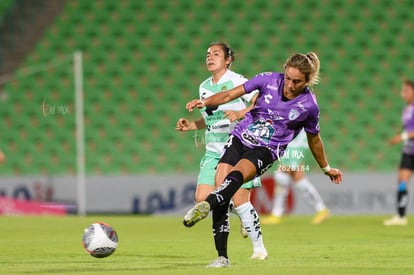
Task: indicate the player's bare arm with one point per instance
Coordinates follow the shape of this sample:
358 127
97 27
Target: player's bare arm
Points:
2 157
184 124
238 115
404 136
317 148
216 99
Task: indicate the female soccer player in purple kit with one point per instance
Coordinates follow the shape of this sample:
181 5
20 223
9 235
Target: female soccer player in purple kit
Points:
407 159
284 107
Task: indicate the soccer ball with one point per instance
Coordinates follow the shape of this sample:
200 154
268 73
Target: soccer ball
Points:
100 240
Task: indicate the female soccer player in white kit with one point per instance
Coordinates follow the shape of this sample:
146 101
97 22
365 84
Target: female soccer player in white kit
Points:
289 170
219 121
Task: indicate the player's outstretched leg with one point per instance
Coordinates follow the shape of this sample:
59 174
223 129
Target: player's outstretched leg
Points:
220 196
196 214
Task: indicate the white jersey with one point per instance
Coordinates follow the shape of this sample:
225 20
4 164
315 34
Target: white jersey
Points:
218 127
295 152
300 141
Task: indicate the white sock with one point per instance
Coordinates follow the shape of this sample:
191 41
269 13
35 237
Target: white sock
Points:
310 193
250 221
279 201
281 191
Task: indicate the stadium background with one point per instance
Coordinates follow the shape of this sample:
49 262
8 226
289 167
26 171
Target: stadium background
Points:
143 60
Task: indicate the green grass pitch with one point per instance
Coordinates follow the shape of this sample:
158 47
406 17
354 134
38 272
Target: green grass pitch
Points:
162 245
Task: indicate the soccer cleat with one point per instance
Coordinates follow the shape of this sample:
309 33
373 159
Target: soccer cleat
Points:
219 263
259 255
321 216
271 219
196 214
396 220
243 232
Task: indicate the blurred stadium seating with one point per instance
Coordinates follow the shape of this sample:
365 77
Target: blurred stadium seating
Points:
143 60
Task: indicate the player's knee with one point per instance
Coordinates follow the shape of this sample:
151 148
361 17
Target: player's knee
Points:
281 178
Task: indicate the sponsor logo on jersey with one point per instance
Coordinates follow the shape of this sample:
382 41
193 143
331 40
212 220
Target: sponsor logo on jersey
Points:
262 129
272 87
274 115
249 139
300 105
217 126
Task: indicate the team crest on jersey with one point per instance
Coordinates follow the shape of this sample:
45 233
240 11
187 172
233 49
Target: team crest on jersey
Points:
293 114
262 128
224 88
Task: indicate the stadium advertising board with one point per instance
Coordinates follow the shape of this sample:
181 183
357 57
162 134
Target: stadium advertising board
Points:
173 194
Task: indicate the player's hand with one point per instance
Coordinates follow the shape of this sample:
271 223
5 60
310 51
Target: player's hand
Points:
2 157
195 103
395 139
232 115
183 124
335 175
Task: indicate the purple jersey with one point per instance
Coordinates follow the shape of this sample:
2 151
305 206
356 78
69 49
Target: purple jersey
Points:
273 123
408 123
